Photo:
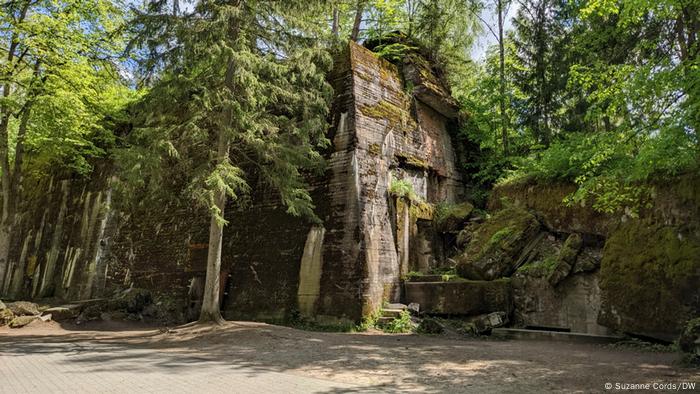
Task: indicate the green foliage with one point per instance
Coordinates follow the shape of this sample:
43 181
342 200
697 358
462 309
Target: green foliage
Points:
394 52
401 188
412 275
233 77
59 70
401 324
369 322
446 211
600 94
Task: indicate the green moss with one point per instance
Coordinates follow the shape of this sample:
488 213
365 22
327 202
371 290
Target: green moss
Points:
501 231
411 275
542 268
421 210
448 217
649 279
412 161
502 235
397 116
374 149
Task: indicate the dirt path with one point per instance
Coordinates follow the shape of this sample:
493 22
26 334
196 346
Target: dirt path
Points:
366 362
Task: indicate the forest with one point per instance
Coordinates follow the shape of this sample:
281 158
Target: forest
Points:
349 195
204 100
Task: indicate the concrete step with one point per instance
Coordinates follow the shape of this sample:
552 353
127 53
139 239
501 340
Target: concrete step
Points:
392 313
519 333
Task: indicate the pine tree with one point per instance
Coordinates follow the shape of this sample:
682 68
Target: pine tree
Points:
239 91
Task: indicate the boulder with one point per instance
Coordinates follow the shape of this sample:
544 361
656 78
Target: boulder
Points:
21 321
452 217
90 312
24 308
649 279
587 261
485 323
6 316
64 312
565 259
495 246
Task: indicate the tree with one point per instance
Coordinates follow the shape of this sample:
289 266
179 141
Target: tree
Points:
501 7
57 76
248 78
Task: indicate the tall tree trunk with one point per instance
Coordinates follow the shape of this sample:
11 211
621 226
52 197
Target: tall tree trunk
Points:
358 20
335 29
502 72
211 311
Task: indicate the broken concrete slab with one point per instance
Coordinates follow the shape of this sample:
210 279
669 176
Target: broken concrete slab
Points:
63 312
23 308
461 297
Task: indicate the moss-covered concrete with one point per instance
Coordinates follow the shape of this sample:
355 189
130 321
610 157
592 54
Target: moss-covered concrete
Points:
650 279
496 244
452 217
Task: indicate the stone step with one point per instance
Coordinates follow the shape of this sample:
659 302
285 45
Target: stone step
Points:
392 313
542 335
395 306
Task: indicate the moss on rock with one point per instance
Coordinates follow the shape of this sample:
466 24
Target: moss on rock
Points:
495 245
649 279
566 259
452 217
6 316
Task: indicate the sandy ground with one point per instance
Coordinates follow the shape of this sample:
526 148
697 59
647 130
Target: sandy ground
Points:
375 362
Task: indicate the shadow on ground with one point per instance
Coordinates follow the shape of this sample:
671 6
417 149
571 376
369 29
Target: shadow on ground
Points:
385 363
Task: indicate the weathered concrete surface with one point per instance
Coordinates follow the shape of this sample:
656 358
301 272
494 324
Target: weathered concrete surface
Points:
649 277
461 297
574 304
673 203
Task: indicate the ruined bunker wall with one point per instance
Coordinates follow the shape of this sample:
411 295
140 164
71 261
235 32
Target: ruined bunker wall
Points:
649 266
673 203
60 241
262 250
159 244
81 238
280 265
399 137
338 201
